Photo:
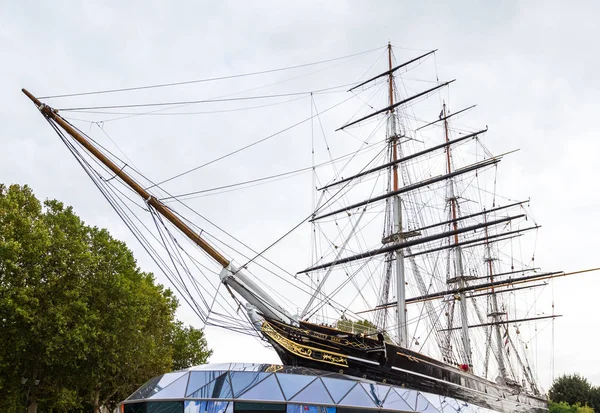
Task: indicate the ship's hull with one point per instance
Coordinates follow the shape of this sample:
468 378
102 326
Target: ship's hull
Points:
325 348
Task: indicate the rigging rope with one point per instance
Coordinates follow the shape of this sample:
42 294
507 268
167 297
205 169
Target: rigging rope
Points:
211 79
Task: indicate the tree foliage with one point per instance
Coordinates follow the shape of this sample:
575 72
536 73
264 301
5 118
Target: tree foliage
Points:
189 347
571 389
82 326
575 393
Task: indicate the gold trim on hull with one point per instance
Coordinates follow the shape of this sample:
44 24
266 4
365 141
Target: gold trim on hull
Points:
306 352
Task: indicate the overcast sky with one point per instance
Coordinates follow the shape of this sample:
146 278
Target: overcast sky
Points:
531 66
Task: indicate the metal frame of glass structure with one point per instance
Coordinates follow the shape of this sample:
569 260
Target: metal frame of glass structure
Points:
253 388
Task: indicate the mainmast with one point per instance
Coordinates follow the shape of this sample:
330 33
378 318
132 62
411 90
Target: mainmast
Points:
459 277
397 215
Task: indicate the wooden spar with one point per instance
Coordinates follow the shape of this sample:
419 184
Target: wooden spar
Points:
410 243
476 242
395 105
463 217
495 323
392 69
411 187
445 118
510 290
52 114
405 158
504 283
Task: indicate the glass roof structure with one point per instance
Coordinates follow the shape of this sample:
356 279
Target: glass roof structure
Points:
235 387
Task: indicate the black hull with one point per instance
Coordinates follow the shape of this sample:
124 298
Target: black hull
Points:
328 349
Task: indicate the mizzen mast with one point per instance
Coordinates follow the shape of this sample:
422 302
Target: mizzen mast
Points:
393 139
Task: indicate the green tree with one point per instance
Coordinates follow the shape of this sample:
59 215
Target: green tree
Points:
189 347
571 389
595 398
82 326
562 407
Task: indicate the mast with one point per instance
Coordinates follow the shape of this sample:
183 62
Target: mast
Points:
459 277
495 314
397 214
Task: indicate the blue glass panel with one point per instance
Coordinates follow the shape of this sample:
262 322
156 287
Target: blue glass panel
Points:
315 393
243 380
154 385
202 406
200 379
358 397
409 396
257 407
134 408
175 390
377 392
268 389
393 401
337 388
194 406
293 383
216 389
165 407
307 408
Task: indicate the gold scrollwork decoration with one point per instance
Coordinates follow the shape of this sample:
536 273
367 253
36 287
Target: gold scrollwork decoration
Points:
304 351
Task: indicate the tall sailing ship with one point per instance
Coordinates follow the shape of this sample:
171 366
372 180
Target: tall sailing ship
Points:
417 232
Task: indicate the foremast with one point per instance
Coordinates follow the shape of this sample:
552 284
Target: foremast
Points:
393 139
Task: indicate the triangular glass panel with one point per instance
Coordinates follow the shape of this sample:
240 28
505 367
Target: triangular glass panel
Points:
424 406
377 392
449 405
337 388
175 390
244 380
154 385
393 401
409 396
434 399
358 397
200 379
268 389
216 389
315 393
291 384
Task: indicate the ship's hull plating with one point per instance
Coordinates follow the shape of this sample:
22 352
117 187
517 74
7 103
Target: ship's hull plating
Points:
325 348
